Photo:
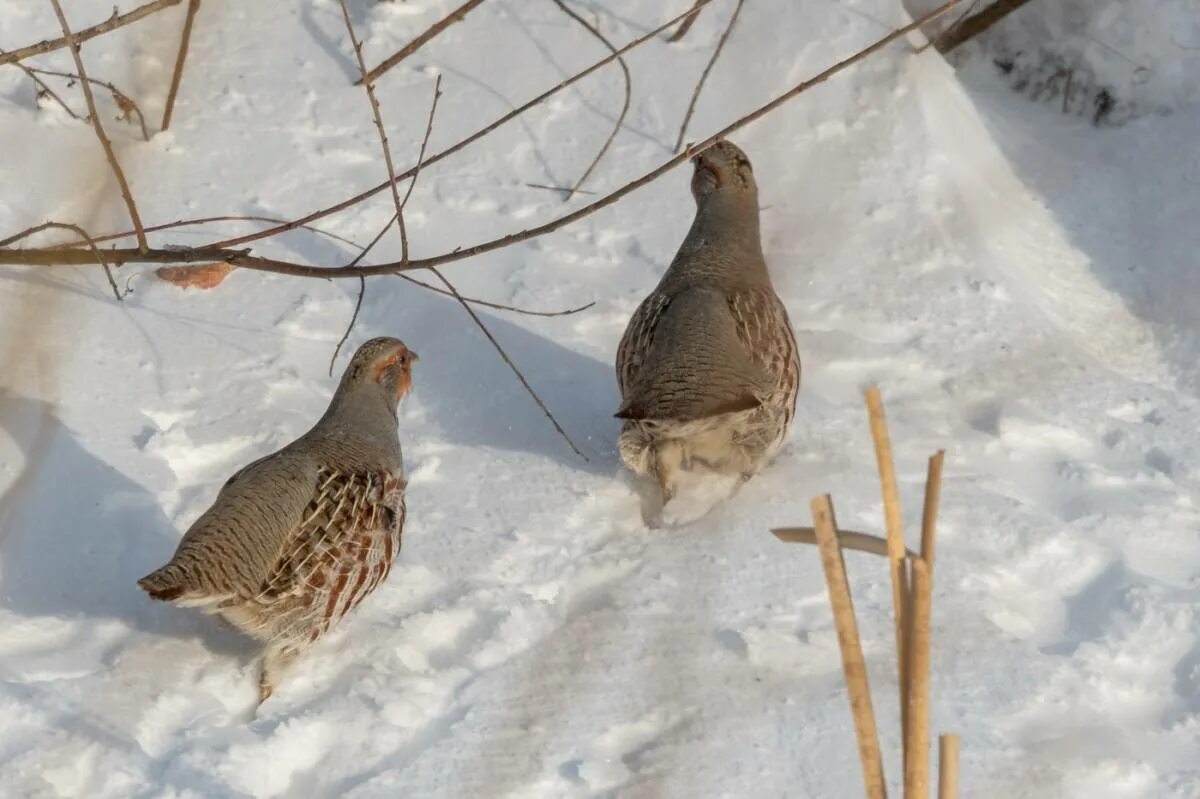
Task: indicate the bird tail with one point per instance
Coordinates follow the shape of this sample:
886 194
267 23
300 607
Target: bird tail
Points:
165 584
173 583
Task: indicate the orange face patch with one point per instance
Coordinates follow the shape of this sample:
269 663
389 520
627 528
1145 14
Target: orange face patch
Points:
404 382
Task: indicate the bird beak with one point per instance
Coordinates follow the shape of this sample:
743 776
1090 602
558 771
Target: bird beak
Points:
414 356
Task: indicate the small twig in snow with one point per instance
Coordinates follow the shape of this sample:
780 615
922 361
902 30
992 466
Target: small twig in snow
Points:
184 40
124 102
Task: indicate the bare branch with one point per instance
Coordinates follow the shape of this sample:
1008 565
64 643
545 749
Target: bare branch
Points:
112 23
143 246
184 40
973 26
691 109
687 24
77 230
243 259
624 105
123 101
433 159
416 44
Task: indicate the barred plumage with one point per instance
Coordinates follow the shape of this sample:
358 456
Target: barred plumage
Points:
297 539
708 366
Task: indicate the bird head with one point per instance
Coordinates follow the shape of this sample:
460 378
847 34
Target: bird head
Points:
722 167
385 363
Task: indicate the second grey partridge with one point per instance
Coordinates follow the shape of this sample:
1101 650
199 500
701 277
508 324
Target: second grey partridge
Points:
296 539
708 367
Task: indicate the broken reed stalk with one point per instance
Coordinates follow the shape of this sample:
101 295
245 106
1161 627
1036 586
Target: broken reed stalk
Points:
185 38
219 251
624 105
849 539
110 24
933 498
716 53
404 52
948 766
854 666
73 46
894 524
916 740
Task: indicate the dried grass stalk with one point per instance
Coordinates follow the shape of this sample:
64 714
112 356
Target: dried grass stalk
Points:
948 766
854 666
895 535
916 740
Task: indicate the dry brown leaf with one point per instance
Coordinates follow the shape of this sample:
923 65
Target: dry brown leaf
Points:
202 276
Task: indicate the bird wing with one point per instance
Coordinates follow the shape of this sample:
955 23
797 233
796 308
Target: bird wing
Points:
639 335
346 539
765 333
693 364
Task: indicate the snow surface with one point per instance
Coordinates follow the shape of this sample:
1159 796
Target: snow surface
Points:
1021 285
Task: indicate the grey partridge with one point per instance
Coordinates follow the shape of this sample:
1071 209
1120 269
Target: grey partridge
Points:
297 539
708 367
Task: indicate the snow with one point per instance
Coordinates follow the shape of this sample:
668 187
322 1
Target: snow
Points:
1020 284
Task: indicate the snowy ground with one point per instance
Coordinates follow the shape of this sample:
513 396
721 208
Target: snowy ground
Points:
1021 285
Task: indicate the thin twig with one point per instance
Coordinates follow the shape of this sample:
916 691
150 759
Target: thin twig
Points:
563 189
854 666
378 114
916 739
624 105
184 39
948 766
110 24
716 53
362 292
933 497
512 366
43 87
242 259
895 535
143 246
123 101
687 24
416 44
437 93
849 539
77 230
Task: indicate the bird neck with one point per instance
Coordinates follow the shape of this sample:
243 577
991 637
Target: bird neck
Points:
359 421
723 241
